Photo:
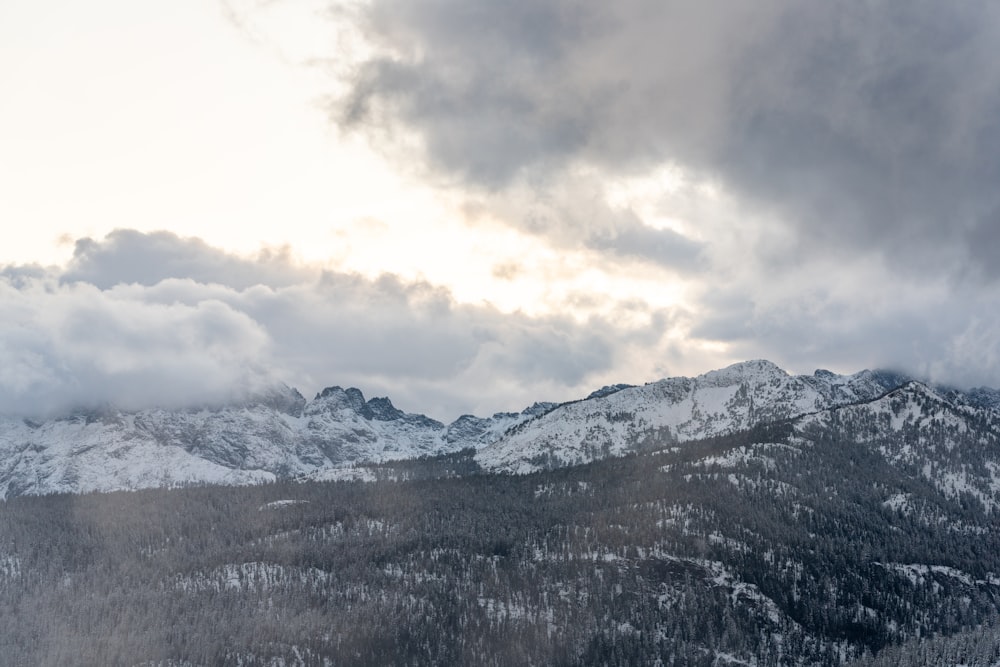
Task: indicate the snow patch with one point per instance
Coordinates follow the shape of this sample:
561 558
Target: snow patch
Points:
277 504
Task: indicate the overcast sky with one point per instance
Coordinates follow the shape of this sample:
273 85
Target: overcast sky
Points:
470 206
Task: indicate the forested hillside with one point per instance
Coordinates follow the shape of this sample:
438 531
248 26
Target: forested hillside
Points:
781 545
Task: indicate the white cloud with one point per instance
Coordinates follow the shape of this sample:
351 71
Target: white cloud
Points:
639 189
155 319
64 347
170 332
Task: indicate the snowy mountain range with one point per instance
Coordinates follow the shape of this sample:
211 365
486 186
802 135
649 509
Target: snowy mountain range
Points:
677 409
280 434
744 516
274 435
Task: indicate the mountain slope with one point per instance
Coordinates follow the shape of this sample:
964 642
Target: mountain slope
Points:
918 430
810 541
272 436
767 519
674 410
280 434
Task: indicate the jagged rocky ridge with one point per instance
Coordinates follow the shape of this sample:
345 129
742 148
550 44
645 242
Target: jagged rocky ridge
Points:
280 434
275 435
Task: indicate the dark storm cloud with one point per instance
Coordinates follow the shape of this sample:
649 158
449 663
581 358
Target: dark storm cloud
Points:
875 125
867 127
728 316
467 81
183 323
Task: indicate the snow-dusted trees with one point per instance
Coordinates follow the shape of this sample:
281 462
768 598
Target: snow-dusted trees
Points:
775 545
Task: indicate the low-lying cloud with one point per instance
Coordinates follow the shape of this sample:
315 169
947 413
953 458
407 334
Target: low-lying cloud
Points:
175 333
137 320
75 346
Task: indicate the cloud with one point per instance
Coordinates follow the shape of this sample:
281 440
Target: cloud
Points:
818 187
67 347
660 246
820 178
128 256
574 213
868 319
206 332
138 320
865 128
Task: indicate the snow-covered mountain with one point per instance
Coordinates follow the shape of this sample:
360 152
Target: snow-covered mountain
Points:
925 433
273 435
765 519
280 434
675 410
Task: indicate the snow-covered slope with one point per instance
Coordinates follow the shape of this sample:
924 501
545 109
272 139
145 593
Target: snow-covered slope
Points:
279 434
953 445
674 410
276 434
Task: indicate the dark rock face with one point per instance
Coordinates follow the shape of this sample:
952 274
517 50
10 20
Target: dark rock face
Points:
336 398
537 409
607 390
382 409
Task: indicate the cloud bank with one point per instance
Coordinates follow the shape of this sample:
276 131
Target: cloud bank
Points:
816 183
864 128
190 325
837 162
137 320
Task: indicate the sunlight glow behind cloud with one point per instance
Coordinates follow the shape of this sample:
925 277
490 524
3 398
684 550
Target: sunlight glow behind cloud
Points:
634 190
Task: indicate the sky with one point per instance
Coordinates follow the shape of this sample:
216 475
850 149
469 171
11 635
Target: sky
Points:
472 206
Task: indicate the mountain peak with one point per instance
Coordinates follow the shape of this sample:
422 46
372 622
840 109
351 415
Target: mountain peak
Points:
919 389
279 397
252 438
887 378
338 398
327 392
720 402
382 409
539 408
607 390
744 370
